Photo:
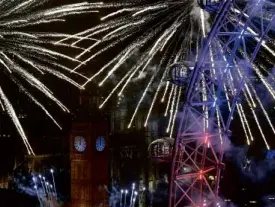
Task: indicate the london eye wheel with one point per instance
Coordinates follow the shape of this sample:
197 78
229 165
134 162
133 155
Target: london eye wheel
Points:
220 82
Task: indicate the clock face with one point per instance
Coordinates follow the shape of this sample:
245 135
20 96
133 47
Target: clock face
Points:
80 143
100 143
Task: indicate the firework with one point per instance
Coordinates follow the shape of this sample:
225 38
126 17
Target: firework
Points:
25 55
164 33
166 37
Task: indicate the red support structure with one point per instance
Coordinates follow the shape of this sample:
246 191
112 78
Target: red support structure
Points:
217 81
195 167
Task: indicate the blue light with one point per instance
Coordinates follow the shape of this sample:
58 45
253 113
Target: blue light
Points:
215 100
100 143
270 154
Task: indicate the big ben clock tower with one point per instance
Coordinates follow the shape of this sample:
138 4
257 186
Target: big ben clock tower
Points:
89 159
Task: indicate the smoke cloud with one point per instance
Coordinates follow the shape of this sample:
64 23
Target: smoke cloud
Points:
196 14
256 170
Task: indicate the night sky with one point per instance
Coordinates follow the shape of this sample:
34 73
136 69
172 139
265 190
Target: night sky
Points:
46 138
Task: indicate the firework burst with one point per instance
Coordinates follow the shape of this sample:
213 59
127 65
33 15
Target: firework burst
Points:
25 55
165 33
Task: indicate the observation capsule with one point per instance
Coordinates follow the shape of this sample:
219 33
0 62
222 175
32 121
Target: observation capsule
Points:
178 74
161 150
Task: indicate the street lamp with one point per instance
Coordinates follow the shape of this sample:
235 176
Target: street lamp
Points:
134 198
126 192
133 188
121 194
52 171
41 181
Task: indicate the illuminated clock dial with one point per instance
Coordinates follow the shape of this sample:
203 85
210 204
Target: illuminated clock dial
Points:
100 143
80 143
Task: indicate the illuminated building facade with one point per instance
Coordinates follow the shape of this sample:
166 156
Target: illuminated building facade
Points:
89 155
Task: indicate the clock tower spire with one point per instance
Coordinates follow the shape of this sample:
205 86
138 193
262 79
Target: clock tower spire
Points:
89 155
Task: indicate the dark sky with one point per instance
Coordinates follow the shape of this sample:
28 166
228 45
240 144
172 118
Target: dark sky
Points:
39 128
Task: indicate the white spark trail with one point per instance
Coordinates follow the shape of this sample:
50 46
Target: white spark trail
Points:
116 87
169 100
257 121
172 109
13 116
165 91
173 27
242 122
117 12
109 34
150 8
175 113
156 93
102 69
136 67
263 109
142 97
266 84
202 22
23 89
246 122
168 39
123 27
99 52
130 51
